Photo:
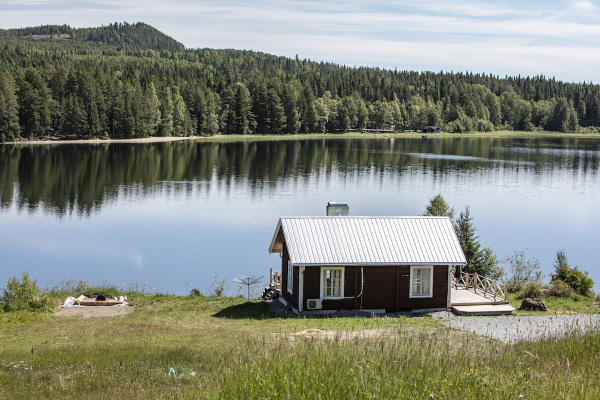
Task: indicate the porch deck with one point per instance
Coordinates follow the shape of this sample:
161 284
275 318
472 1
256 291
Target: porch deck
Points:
467 302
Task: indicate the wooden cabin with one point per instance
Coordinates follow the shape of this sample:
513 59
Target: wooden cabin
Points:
374 264
431 129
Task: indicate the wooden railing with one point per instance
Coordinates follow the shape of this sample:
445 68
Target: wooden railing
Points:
481 285
275 280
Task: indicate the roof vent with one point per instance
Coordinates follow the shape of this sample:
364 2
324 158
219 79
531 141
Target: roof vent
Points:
335 209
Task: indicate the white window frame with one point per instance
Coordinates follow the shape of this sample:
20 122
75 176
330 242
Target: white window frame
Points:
290 277
324 284
413 273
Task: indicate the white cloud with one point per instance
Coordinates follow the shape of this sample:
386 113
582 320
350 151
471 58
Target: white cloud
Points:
583 6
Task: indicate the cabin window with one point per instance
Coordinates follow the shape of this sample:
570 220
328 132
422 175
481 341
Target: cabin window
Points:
421 281
290 276
332 282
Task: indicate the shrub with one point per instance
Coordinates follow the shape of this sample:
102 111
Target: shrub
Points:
576 279
218 287
524 270
559 288
195 292
24 294
532 290
489 265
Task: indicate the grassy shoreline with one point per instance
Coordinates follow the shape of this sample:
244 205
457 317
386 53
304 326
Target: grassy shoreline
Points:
227 347
350 135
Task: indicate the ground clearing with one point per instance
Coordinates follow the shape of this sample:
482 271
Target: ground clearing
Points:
92 312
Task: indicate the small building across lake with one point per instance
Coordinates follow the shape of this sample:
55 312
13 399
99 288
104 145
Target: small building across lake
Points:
431 129
375 264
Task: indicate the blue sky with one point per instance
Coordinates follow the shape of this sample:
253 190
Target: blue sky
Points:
553 38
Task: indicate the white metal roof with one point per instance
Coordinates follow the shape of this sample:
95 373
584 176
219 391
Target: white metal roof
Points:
368 240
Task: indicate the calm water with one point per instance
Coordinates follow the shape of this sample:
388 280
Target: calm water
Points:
177 215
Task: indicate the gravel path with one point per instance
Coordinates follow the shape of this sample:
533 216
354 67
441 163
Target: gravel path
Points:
512 329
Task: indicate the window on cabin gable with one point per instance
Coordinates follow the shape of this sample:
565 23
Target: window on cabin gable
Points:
421 281
332 282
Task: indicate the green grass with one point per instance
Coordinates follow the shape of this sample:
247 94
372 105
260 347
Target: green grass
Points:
356 135
226 347
559 305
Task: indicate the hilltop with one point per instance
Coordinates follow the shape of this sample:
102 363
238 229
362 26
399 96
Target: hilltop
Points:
123 36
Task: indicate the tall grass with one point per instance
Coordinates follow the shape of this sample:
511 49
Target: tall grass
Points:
417 365
223 347
91 289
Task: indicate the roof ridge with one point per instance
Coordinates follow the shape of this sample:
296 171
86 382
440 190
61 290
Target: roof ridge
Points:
364 216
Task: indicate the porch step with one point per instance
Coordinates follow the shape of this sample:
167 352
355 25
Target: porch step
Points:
270 293
489 309
481 303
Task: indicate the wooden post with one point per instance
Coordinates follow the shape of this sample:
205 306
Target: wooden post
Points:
397 287
270 276
475 282
355 287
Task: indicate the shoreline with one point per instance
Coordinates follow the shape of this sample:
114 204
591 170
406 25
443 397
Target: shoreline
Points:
352 135
107 141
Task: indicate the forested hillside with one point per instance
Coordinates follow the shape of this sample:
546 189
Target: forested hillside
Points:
123 36
132 81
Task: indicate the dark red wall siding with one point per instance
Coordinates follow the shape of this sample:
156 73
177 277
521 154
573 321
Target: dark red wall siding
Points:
385 287
292 299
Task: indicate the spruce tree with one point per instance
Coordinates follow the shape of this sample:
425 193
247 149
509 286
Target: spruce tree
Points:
166 113
181 116
243 121
9 109
151 112
438 207
468 241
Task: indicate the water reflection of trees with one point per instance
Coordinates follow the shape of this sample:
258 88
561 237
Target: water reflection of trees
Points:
81 178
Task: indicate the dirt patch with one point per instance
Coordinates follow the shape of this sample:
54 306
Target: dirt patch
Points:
91 312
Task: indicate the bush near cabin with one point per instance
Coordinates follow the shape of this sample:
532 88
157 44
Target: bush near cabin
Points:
577 280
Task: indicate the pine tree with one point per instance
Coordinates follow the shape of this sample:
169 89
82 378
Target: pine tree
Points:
151 112
276 116
181 117
242 117
292 117
261 108
9 109
438 207
166 112
362 114
74 121
468 241
93 120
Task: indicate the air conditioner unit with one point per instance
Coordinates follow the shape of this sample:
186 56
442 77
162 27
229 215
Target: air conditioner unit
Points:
313 304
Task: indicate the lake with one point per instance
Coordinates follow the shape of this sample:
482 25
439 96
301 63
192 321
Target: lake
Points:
176 215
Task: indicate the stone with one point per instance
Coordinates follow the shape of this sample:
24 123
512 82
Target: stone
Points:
533 304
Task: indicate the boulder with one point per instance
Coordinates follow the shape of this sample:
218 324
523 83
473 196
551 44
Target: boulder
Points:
533 304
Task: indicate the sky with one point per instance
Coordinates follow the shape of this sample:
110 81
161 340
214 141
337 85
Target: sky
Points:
555 38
